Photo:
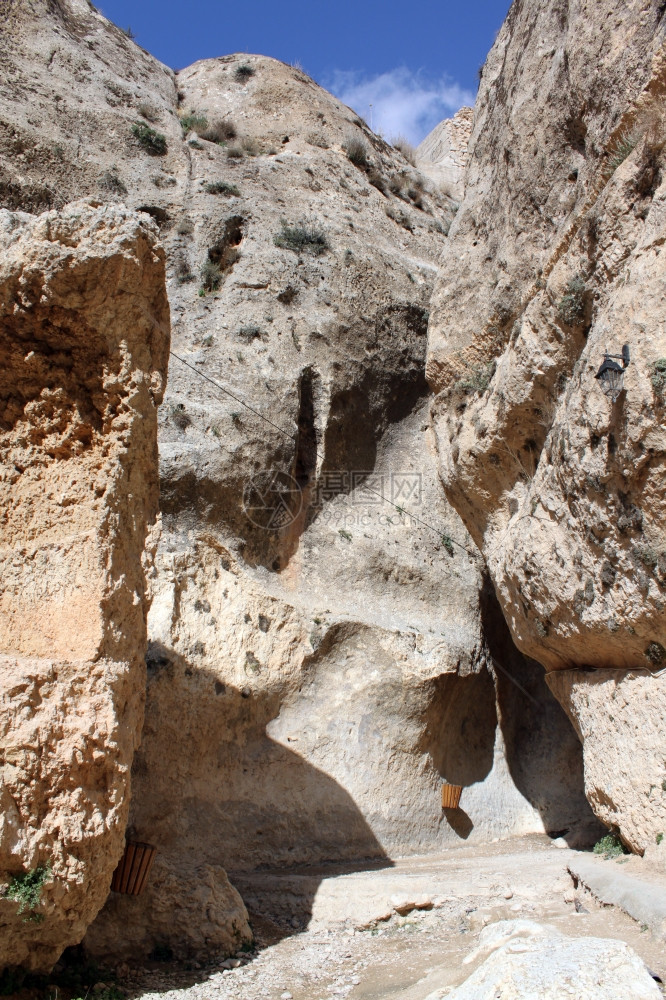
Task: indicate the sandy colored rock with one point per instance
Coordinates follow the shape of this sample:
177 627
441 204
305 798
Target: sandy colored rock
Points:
538 152
311 685
208 918
624 767
443 154
342 710
85 334
530 960
554 257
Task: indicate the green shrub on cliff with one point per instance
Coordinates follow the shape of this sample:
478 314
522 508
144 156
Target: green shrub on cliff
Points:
26 890
153 142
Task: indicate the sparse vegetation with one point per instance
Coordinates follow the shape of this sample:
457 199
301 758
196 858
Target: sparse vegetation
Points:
111 182
447 542
26 890
183 270
303 237
571 307
405 147
185 227
477 378
235 152
249 333
244 72
193 122
621 149
149 139
400 217
344 534
211 275
250 146
357 151
147 111
222 187
179 416
377 180
317 139
610 846
221 131
658 378
409 188
655 653
659 838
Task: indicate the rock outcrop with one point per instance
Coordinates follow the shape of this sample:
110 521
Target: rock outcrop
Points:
324 650
85 334
555 257
529 960
443 154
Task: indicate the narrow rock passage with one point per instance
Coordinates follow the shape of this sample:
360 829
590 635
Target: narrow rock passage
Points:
349 951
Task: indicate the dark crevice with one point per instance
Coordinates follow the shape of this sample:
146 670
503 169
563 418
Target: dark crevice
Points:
305 461
543 752
225 251
158 214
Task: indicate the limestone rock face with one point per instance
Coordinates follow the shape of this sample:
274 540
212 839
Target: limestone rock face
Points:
623 757
85 334
555 257
531 960
322 653
442 155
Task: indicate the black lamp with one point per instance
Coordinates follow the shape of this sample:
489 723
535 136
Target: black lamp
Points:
611 375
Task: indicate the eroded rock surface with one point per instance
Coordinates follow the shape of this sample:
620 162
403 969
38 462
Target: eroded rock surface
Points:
443 155
554 257
531 960
85 334
312 679
624 756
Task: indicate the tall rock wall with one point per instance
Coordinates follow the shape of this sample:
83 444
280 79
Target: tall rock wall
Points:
84 344
324 654
555 256
443 154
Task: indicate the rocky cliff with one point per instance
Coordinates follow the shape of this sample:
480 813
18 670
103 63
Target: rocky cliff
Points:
324 648
554 258
442 155
85 333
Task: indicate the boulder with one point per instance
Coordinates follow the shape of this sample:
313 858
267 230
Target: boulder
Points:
527 960
84 346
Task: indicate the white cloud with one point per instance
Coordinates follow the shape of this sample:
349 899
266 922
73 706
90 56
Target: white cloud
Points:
403 102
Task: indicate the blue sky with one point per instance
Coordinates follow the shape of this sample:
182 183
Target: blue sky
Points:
415 62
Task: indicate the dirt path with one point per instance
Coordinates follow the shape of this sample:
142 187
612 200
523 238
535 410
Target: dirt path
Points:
347 951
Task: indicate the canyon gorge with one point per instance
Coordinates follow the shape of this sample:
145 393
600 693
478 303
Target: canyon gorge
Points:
312 500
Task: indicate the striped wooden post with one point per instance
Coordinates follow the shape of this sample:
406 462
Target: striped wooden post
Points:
451 796
131 875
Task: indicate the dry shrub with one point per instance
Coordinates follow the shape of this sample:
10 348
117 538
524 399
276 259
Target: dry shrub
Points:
406 148
220 131
356 150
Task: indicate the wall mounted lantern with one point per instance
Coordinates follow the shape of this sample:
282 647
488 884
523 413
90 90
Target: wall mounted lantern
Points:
611 375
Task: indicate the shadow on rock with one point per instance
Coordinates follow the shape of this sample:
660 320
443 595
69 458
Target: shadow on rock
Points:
459 822
213 793
543 752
